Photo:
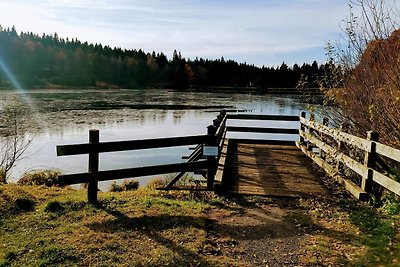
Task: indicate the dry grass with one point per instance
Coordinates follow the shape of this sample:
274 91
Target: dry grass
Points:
47 226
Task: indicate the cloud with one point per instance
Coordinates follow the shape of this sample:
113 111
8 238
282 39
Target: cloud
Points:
197 28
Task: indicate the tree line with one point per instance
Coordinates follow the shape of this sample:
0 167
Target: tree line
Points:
48 60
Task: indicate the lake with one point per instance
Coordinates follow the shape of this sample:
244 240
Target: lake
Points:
65 117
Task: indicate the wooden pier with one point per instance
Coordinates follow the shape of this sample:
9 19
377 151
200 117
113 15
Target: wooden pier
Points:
290 166
271 170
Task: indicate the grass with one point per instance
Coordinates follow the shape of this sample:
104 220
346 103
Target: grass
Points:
136 228
52 226
349 233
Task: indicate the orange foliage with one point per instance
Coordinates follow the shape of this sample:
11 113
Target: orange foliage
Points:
370 98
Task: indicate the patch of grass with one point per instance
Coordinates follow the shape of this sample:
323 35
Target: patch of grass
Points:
379 235
137 228
348 233
54 206
57 255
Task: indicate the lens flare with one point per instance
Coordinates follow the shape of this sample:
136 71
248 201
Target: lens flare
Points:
16 84
22 94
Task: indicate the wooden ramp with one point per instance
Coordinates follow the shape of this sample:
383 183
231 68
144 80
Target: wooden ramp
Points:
270 170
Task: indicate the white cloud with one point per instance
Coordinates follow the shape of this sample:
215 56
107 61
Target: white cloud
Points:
198 28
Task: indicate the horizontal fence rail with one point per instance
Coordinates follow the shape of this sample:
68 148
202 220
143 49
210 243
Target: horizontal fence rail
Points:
263 117
78 178
210 152
261 130
94 148
68 150
224 142
313 134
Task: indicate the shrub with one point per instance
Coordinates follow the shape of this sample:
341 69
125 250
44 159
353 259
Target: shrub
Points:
157 183
127 185
44 177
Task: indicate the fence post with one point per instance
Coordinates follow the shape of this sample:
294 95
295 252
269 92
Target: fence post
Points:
212 161
339 148
222 112
310 131
93 167
302 127
216 122
369 160
325 122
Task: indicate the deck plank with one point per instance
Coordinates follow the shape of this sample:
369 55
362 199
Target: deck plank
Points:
271 170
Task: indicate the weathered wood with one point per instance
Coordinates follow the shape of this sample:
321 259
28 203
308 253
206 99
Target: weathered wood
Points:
221 130
93 167
334 153
369 161
194 156
302 127
263 117
212 161
221 140
338 164
133 172
386 182
370 145
219 183
77 149
388 151
337 134
356 191
270 170
262 130
309 144
325 122
263 141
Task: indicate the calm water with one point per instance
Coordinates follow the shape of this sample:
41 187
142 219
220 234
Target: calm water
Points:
65 117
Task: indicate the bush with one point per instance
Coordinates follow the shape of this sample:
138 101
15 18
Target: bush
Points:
127 185
45 177
157 183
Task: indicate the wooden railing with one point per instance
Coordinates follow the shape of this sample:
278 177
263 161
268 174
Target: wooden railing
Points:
223 142
94 148
209 154
331 156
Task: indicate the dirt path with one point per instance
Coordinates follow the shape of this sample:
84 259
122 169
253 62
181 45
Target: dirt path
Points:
268 232
287 231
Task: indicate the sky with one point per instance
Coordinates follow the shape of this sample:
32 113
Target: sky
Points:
259 32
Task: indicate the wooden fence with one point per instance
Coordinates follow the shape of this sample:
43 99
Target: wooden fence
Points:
223 142
332 156
207 158
209 155
94 148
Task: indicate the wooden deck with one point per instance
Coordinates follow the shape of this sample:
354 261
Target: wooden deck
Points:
271 170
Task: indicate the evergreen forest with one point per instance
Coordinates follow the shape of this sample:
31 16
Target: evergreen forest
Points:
53 62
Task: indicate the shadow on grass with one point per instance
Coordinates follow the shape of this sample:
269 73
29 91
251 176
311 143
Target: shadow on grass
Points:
152 226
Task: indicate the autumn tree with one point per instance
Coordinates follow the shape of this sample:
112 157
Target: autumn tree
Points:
369 70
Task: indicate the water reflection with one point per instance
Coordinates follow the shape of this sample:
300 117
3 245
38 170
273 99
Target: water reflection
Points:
69 114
